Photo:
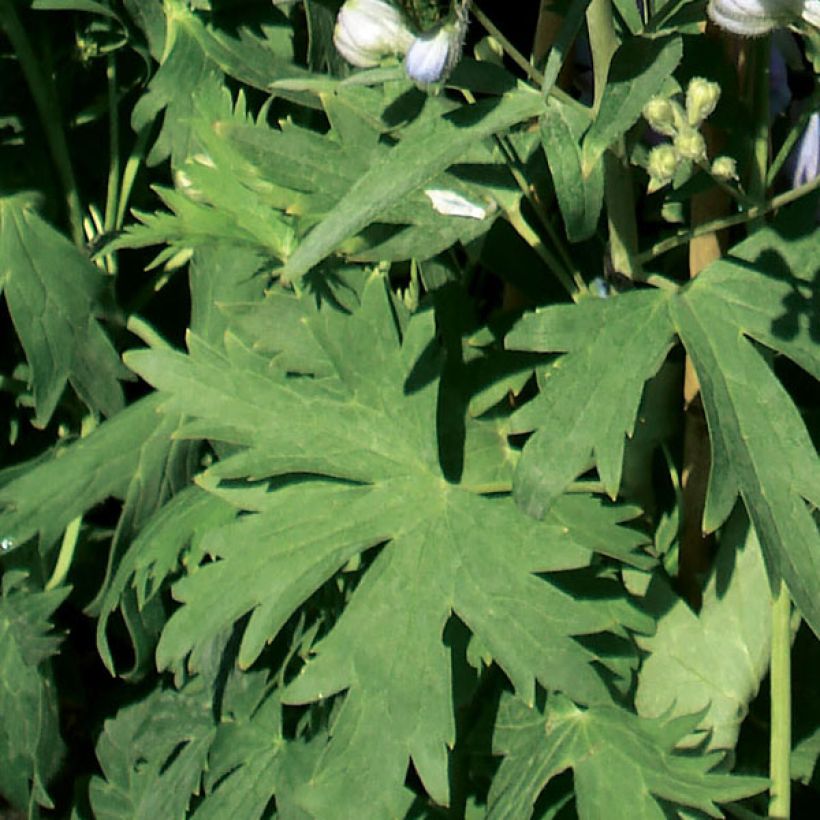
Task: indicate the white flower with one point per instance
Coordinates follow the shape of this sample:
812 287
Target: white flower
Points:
755 17
432 56
368 31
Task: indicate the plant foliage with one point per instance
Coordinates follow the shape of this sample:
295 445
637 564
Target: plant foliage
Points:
357 432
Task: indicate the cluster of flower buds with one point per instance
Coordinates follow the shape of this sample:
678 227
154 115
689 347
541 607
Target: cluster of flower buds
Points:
670 118
752 18
368 31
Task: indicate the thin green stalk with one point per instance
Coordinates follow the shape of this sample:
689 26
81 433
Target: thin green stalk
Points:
759 165
72 531
683 237
112 193
514 165
45 100
742 199
512 52
780 739
522 62
129 175
531 237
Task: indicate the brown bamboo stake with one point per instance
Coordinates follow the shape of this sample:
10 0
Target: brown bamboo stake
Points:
696 548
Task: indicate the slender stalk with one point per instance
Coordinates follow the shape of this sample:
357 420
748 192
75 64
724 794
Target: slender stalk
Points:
129 175
512 52
45 100
531 237
112 193
514 165
72 531
522 62
780 740
684 237
760 147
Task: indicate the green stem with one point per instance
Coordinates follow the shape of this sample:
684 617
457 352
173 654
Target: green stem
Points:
132 166
742 199
516 218
72 531
45 100
522 62
683 237
760 145
514 165
112 192
780 741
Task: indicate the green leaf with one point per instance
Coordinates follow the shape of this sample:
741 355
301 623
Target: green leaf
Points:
153 754
638 71
589 397
406 167
579 197
195 55
30 744
45 497
446 549
612 753
52 292
248 751
157 552
712 662
760 447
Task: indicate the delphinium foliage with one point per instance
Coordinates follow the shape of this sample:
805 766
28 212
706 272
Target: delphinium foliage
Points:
409 409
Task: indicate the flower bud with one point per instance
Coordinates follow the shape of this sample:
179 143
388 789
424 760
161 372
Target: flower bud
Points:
662 165
368 31
701 99
724 168
753 18
660 115
432 56
691 145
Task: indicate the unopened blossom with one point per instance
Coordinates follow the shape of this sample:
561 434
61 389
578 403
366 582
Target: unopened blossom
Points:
662 165
432 56
367 31
753 18
659 113
691 145
724 168
701 100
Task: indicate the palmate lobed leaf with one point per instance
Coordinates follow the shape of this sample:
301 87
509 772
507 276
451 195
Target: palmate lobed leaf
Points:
443 548
623 765
761 451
